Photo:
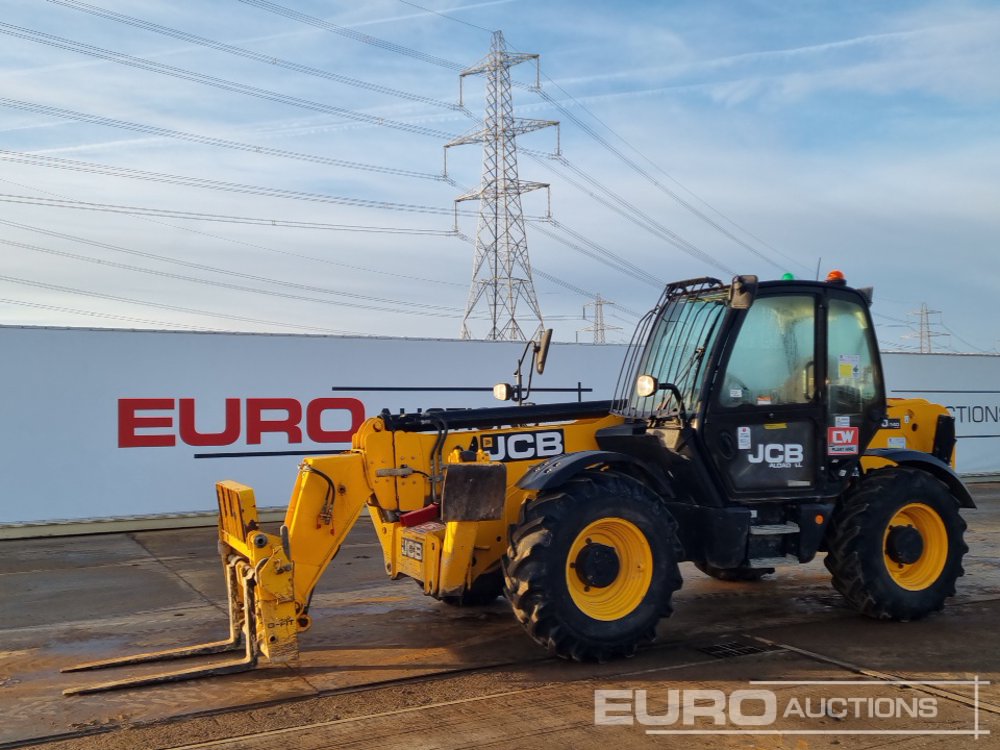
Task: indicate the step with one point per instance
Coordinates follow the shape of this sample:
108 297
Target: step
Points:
775 528
770 562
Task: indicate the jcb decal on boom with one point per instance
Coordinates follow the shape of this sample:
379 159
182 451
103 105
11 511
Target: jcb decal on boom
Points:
523 446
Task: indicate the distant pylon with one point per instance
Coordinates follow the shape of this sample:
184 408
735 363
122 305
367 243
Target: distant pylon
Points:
599 327
925 333
501 272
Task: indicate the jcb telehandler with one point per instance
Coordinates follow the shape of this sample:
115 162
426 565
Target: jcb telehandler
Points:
750 428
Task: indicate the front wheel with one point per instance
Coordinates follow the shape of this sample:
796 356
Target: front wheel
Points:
896 545
592 566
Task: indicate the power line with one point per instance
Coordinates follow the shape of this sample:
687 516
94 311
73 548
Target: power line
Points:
624 208
597 252
445 15
656 183
218 218
356 301
75 165
561 282
633 213
608 258
175 308
575 289
248 54
222 284
682 244
623 320
245 243
351 34
676 240
111 316
51 40
211 141
116 57
964 341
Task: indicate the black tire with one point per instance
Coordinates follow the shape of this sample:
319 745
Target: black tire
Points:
483 590
862 550
537 568
741 574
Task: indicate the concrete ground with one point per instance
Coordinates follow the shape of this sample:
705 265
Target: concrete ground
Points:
385 667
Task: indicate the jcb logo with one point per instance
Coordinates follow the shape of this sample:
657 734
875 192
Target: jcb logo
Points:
778 456
522 446
413 549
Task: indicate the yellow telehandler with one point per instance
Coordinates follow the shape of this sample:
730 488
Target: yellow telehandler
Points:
750 428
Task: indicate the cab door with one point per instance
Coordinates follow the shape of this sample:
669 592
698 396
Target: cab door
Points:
855 392
765 423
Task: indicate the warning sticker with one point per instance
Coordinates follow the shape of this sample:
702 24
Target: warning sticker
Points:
763 401
849 366
842 421
743 438
897 442
842 441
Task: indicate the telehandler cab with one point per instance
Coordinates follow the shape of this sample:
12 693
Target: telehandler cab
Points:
750 429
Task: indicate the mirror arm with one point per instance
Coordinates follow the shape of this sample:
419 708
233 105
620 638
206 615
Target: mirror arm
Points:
676 393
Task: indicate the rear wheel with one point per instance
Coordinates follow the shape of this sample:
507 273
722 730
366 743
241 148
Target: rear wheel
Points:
742 574
592 566
896 545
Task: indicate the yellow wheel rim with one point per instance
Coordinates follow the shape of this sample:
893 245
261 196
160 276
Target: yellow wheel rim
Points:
614 599
927 568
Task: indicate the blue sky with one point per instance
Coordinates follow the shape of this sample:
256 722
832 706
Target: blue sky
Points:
863 134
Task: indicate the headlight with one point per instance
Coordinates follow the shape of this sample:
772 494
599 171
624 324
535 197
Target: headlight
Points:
503 391
646 385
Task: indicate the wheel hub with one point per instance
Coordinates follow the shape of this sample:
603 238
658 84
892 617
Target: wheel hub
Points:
597 565
904 545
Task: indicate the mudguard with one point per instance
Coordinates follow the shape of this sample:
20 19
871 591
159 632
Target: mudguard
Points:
560 469
932 465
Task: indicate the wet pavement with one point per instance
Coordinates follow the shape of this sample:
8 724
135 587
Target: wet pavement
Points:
384 666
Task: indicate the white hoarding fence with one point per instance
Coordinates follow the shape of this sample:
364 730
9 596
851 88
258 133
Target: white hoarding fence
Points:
110 423
969 386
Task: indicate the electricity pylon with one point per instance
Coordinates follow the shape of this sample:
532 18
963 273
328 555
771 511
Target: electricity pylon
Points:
925 333
599 328
501 272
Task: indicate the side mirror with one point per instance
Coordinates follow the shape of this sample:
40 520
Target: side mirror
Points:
542 350
742 292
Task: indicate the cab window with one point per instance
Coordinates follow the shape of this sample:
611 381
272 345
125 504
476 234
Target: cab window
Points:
850 367
773 360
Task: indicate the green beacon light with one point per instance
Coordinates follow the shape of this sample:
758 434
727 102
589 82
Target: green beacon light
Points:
788 277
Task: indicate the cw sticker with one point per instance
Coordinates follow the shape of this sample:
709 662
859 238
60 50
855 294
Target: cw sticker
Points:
842 441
